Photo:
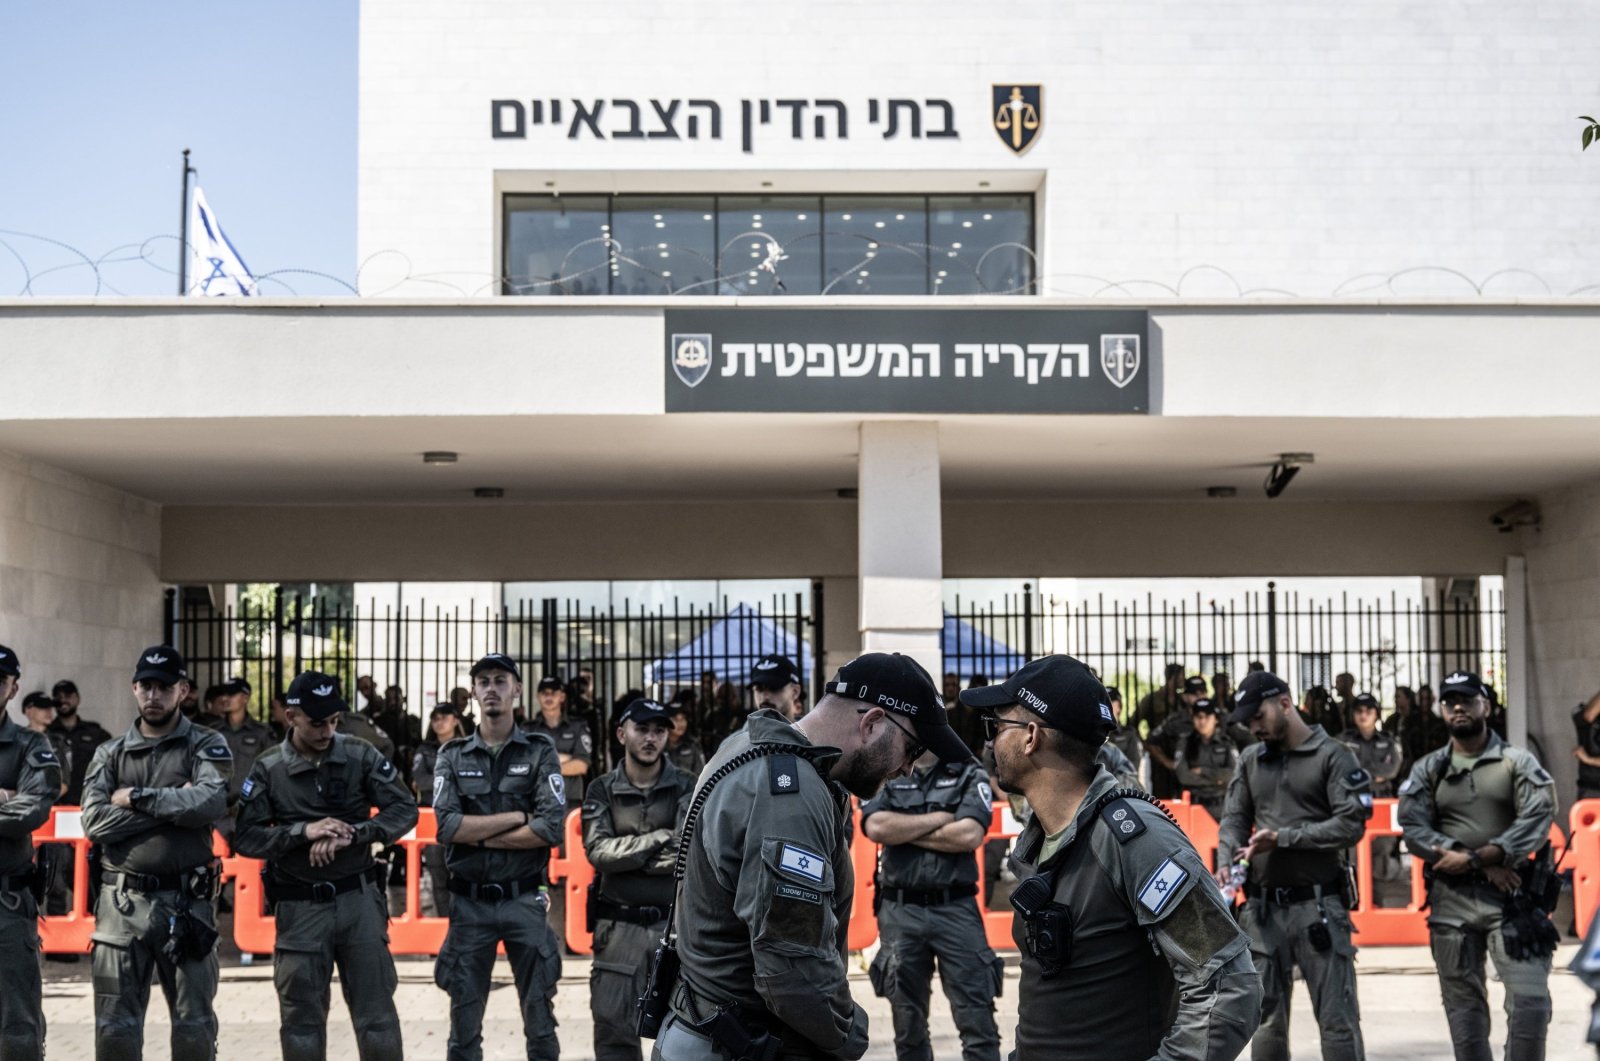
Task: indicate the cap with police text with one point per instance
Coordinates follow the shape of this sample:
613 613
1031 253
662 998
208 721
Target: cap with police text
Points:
1059 689
496 661
1462 684
1195 685
645 711
160 663
9 664
315 695
774 672
551 681
1257 686
897 683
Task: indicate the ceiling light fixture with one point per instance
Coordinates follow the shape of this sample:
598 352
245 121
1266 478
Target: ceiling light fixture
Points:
440 456
1283 472
489 491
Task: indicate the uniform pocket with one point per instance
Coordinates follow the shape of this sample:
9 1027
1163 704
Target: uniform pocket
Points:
998 969
799 896
879 973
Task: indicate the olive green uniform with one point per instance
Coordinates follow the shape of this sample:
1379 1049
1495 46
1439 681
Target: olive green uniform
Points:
1505 798
1318 799
687 756
31 770
1379 756
155 888
1121 767
1124 739
1155 966
764 909
928 912
334 915
1204 769
248 741
630 836
498 895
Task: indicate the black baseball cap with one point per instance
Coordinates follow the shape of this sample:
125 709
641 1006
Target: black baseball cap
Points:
643 711
898 684
496 661
1462 683
315 694
1195 684
9 664
1367 700
234 686
39 699
1257 686
444 707
65 685
1204 706
774 672
1059 689
160 663
550 681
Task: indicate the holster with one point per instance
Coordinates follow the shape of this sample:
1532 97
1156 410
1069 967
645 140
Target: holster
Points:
729 1034
1349 888
269 891
656 1002
589 894
44 860
96 876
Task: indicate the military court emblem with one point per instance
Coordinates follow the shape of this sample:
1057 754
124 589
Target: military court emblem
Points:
691 357
1018 115
1119 358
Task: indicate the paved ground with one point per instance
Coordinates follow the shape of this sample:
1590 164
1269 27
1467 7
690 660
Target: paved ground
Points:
1399 1002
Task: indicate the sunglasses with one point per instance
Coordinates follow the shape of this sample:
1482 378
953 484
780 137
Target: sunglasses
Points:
991 725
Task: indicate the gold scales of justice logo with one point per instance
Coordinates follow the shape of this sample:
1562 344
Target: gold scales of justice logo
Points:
1018 115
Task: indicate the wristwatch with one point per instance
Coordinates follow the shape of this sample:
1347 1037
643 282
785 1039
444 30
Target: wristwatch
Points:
1475 860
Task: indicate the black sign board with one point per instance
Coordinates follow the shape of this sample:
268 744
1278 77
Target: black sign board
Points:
871 360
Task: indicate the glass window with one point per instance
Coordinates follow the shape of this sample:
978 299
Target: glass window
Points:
981 244
556 244
663 243
769 245
875 245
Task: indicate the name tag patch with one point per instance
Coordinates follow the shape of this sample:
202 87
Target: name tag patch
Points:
1162 886
469 773
519 769
789 891
802 863
946 782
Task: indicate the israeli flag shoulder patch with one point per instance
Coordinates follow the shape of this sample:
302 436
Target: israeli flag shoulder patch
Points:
1163 884
802 863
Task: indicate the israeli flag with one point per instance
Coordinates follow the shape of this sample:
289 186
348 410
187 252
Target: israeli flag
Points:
215 268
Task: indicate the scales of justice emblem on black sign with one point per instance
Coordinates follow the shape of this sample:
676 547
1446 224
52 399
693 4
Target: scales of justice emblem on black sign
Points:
1018 115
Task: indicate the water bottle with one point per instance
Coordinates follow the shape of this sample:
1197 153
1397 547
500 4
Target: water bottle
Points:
1237 875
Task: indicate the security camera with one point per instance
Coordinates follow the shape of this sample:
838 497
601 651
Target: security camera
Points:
1517 514
1284 470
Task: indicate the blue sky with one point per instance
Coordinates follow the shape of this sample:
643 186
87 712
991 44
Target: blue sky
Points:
101 98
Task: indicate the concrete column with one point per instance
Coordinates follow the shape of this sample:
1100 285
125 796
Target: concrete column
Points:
901 540
1517 660
841 616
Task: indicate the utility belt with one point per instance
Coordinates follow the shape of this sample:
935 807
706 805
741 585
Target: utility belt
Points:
35 882
599 908
494 892
928 896
288 890
742 1032
198 883
1299 893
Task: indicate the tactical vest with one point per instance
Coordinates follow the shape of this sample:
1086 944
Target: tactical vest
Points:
634 813
167 848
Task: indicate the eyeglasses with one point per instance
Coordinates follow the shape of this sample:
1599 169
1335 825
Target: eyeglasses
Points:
914 747
991 725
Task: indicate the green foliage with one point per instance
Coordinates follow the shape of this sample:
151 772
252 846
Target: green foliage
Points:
1591 131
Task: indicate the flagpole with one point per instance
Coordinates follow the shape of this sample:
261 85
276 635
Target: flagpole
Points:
183 228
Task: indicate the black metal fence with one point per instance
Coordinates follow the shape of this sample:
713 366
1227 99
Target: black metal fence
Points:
1306 640
427 650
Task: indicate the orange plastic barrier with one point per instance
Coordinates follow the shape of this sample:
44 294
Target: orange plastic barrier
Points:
412 933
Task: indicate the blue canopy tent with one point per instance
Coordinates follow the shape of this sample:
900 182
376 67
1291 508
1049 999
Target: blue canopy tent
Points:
728 649
969 651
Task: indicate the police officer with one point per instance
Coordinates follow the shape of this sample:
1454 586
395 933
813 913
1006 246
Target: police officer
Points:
1124 738
631 819
1378 753
764 905
500 800
1206 758
149 799
306 809
574 746
30 781
1307 800
1473 811
930 823
1162 742
1128 949
683 751
775 686
82 737
246 737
